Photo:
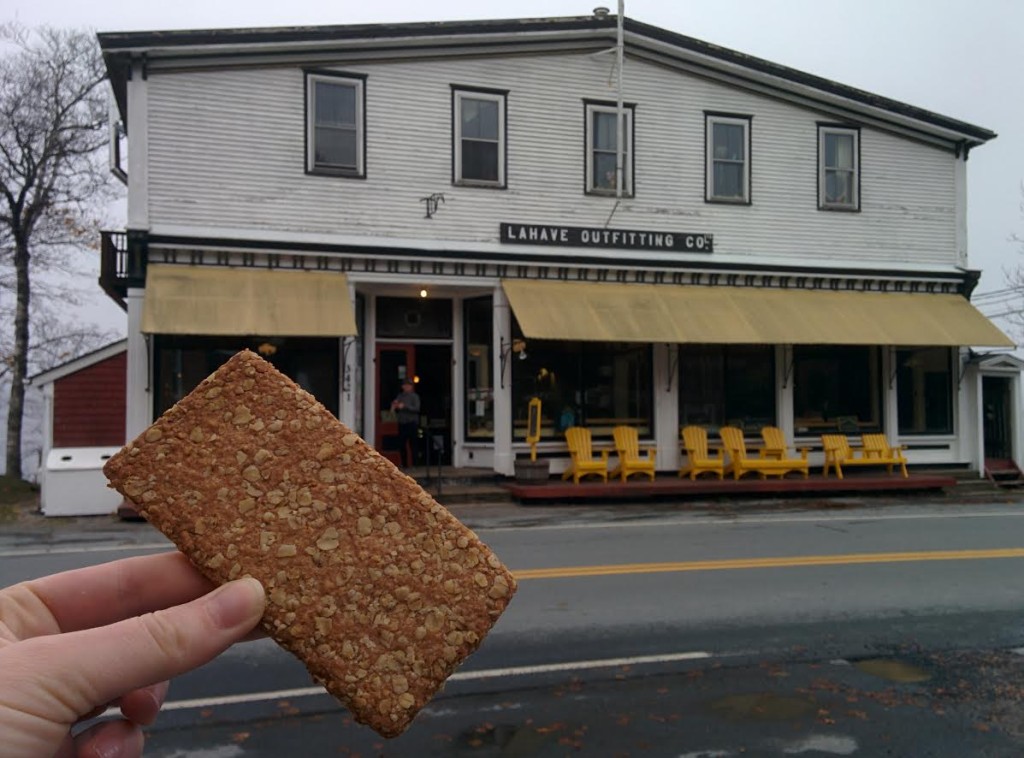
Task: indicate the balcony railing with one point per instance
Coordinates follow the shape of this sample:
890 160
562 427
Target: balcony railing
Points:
122 265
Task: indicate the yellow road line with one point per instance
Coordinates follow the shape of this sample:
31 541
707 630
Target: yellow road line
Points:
756 563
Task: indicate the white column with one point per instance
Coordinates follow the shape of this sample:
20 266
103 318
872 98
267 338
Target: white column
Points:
458 381
504 459
784 390
369 369
890 396
666 406
348 366
138 391
138 150
970 421
960 185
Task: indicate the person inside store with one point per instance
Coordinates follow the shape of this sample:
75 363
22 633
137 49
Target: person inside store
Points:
406 407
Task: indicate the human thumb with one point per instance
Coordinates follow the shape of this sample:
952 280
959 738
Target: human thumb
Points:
64 676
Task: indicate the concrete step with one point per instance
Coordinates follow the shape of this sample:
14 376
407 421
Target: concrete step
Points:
461 494
981 489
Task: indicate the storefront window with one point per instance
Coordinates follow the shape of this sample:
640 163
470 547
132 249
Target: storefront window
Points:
478 316
924 379
836 389
727 385
599 385
181 363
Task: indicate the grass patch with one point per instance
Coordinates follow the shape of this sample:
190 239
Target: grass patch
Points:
13 491
14 495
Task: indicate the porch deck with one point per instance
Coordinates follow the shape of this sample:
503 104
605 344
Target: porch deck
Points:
452 484
672 486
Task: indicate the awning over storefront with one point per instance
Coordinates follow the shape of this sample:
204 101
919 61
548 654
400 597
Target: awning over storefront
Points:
246 301
745 315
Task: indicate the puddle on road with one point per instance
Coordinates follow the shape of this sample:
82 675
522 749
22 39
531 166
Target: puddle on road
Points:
761 706
512 740
893 670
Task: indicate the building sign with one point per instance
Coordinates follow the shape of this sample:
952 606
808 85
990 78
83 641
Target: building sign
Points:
621 239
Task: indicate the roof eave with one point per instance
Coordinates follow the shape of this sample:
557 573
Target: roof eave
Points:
120 48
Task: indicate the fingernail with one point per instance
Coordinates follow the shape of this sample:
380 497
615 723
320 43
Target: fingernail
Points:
237 602
114 739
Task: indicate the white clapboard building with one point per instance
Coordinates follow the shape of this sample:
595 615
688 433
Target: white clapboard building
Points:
502 210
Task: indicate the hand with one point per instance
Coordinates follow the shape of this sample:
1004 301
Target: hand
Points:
73 644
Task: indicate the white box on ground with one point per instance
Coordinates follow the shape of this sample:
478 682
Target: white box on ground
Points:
73 483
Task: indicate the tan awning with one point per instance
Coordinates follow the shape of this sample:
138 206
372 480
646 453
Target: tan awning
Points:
745 315
246 301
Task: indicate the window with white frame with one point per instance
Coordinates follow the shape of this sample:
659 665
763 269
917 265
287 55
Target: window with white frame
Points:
602 148
728 158
335 139
838 168
479 141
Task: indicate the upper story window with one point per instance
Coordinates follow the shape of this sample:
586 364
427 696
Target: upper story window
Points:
602 148
479 137
838 168
728 158
335 124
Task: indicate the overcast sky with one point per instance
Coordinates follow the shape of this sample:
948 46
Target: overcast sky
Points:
960 58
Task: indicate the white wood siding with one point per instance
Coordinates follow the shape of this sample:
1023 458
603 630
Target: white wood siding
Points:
226 152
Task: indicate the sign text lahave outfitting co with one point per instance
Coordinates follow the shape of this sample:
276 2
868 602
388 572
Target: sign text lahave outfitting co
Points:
585 236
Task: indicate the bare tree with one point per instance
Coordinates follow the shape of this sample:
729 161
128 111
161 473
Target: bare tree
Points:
52 177
1015 279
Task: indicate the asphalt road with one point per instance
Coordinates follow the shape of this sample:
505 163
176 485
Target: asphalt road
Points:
875 630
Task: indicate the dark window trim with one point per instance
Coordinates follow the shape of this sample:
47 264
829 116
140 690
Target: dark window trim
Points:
587 103
819 168
749 178
503 94
312 170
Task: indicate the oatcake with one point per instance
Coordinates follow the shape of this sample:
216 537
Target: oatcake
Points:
376 587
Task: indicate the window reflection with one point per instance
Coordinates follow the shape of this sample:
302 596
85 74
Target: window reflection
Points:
836 388
181 363
925 390
730 385
598 385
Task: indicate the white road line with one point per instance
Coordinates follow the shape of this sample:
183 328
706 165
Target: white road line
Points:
28 552
459 676
739 520
548 668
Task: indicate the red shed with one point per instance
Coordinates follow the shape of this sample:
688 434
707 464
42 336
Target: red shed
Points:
84 402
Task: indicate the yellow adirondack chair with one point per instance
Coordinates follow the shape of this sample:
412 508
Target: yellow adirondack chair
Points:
632 460
740 463
699 460
774 443
875 451
877 448
775 446
582 454
837 452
